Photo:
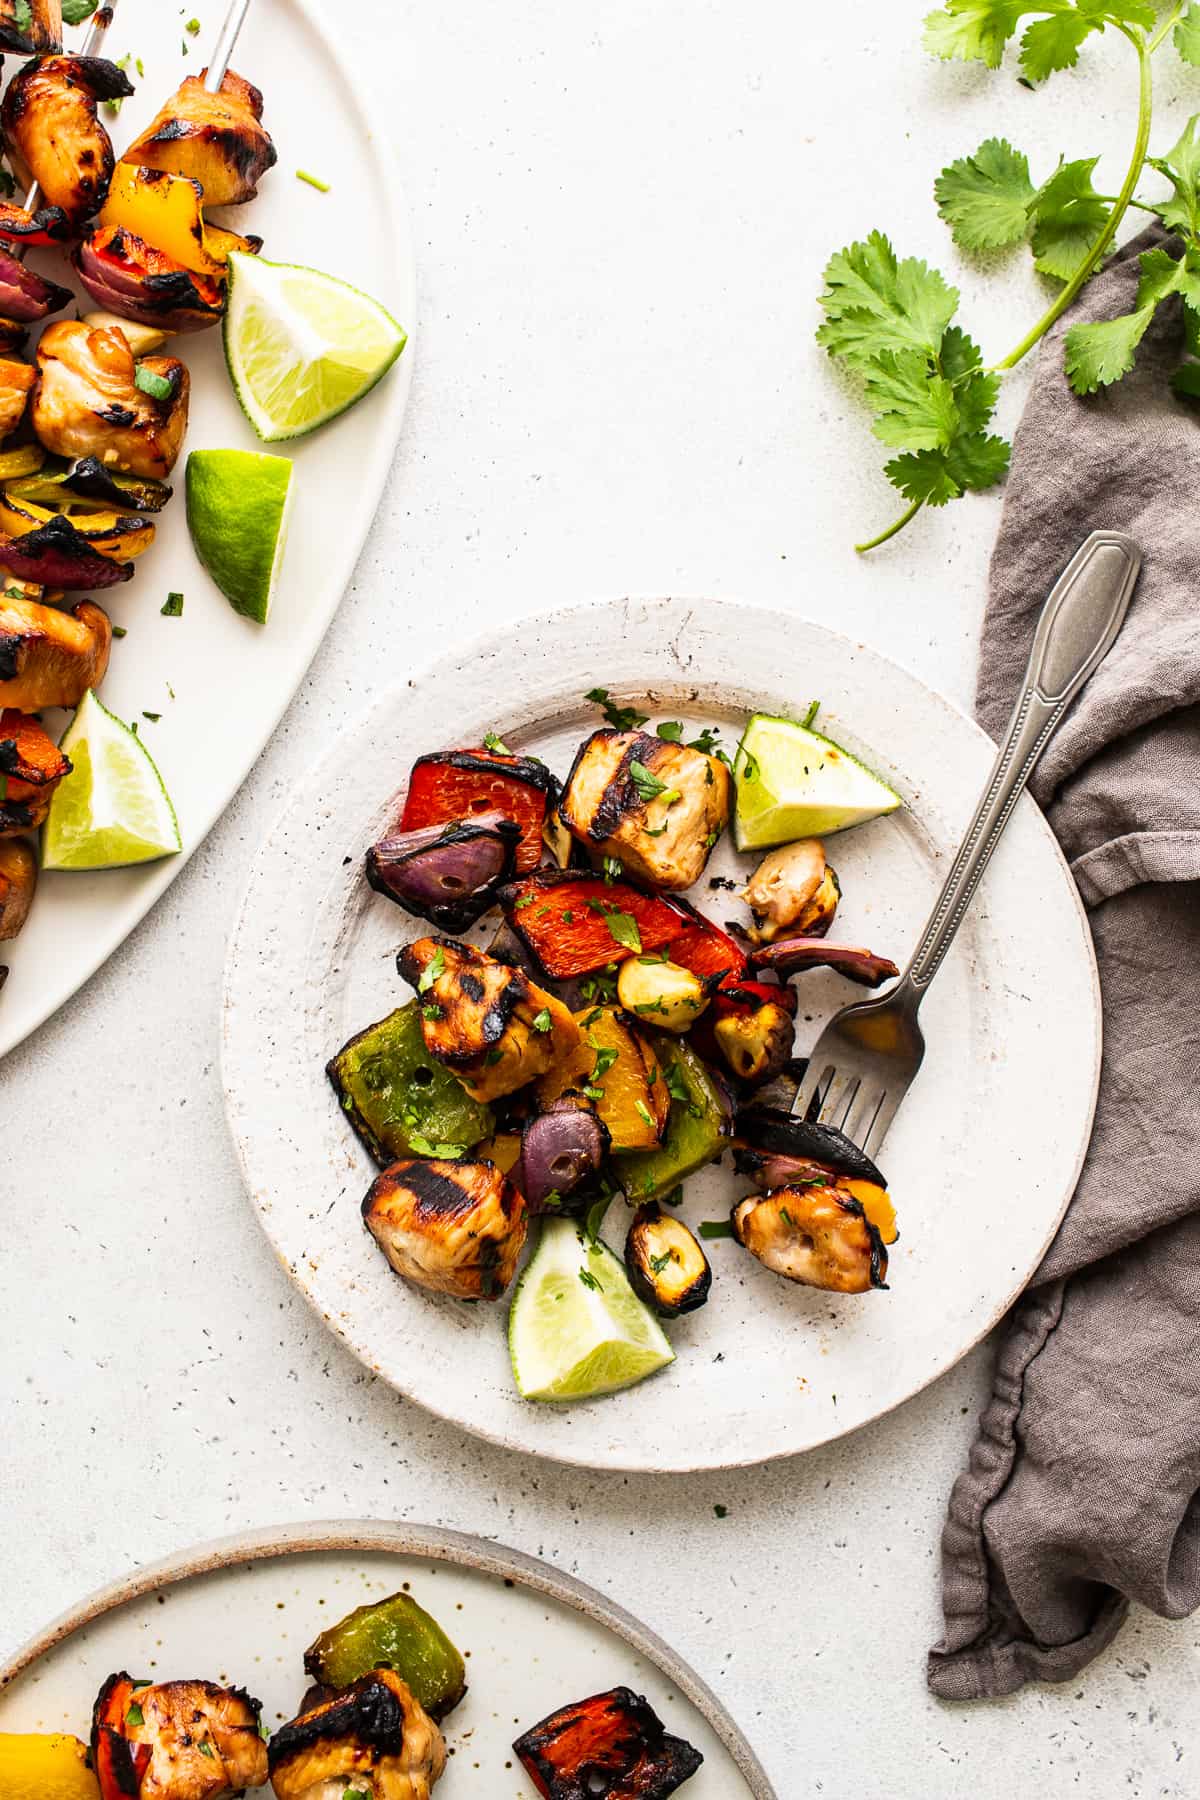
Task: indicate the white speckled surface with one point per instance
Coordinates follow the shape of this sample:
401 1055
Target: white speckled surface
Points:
620 220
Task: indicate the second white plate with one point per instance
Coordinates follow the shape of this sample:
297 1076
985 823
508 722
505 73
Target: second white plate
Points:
982 1159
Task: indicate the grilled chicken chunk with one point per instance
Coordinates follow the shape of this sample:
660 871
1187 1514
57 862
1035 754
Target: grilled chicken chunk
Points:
818 1236
658 807
455 1227
16 382
87 402
49 657
18 879
31 767
793 890
31 25
215 139
375 1739
52 131
176 1740
486 1021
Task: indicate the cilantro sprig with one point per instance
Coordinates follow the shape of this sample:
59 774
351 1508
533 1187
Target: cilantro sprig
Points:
891 320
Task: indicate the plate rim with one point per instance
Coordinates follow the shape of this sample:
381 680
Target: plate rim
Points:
378 145
481 644
433 1543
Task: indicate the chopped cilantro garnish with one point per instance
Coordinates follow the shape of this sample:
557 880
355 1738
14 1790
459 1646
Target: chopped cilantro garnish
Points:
543 1020
621 718
659 1263
135 1715
157 386
314 181
74 12
623 929
435 968
810 716
722 1512
716 1228
206 1749
590 1281
644 1113
495 745
524 901
613 869
440 1152
671 731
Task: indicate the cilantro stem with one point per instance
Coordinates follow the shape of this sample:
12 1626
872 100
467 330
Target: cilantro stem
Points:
896 526
1137 163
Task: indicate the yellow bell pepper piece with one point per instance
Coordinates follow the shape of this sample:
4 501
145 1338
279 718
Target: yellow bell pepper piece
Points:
165 210
876 1202
50 1767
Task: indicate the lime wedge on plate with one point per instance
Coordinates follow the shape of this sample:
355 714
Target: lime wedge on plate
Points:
793 782
576 1328
238 502
302 346
112 809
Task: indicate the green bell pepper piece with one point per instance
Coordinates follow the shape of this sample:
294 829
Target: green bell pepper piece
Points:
698 1126
399 1099
394 1634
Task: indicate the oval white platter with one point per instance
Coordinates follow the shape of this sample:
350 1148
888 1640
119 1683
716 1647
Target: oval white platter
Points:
218 682
981 1160
244 1610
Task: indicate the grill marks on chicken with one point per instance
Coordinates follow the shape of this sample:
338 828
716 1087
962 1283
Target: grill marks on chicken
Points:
54 135
216 139
453 1227
87 402
178 1740
658 807
31 25
486 1021
31 767
375 1738
49 657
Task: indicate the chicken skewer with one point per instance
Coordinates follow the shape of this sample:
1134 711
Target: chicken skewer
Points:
222 56
91 47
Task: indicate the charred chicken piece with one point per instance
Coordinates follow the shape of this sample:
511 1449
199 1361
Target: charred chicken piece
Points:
667 1267
16 384
176 1740
819 1236
486 1021
31 767
215 139
793 889
51 128
613 1745
49 657
754 1028
18 879
375 1738
454 1227
769 1170
658 807
31 26
87 402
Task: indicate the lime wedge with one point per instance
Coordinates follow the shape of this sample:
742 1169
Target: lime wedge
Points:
793 782
576 1328
112 809
302 346
238 504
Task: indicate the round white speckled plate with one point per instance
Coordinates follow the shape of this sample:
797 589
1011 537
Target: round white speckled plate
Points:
244 1610
981 1161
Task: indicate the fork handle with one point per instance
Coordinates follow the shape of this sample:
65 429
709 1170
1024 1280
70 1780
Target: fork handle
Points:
1080 620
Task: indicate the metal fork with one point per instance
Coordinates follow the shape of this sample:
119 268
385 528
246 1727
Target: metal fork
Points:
867 1057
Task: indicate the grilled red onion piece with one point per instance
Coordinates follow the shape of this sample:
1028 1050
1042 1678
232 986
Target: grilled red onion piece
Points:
773 1133
25 296
56 556
792 955
447 874
560 1149
117 272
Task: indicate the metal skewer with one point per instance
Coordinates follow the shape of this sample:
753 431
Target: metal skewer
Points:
226 45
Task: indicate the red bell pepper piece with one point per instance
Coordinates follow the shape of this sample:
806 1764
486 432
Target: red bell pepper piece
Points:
119 1765
705 949
457 784
612 1744
576 923
35 230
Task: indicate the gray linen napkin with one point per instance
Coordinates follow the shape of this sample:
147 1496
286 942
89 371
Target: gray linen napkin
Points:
1083 1487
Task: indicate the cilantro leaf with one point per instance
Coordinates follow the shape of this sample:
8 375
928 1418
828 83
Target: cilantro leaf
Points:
621 718
934 477
1102 351
1068 216
1053 43
74 12
1181 166
973 30
1186 36
985 198
1186 381
623 929
875 302
916 409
